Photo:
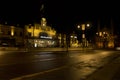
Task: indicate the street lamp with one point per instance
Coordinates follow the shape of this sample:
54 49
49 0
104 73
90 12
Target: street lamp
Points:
88 25
83 27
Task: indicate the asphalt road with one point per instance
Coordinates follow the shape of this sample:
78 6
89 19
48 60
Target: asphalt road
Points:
73 65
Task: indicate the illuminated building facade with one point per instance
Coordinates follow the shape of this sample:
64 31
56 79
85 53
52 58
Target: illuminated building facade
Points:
11 36
68 40
104 39
73 40
62 39
40 35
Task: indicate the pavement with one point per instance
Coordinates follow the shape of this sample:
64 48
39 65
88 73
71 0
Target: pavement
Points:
41 49
109 72
58 49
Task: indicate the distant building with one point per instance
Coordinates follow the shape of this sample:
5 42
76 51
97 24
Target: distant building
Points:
67 40
11 36
40 35
117 40
104 38
73 40
62 39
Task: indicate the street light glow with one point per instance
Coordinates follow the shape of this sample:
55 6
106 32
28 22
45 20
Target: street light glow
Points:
78 26
88 25
83 35
83 26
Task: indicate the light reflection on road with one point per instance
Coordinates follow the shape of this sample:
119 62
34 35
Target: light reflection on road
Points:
87 64
1 52
81 65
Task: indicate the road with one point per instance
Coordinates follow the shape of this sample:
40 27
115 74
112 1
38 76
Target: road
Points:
72 65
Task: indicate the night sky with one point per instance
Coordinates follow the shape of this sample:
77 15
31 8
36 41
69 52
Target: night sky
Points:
60 14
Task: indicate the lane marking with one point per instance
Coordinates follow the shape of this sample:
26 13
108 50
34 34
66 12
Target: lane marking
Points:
39 73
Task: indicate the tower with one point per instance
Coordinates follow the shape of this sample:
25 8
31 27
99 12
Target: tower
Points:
43 23
42 11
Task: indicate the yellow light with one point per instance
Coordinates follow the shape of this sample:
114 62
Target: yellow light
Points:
75 36
43 24
100 33
12 31
103 32
83 35
83 26
78 26
88 25
97 33
43 19
71 36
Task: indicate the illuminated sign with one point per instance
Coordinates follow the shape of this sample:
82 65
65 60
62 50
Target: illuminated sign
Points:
46 37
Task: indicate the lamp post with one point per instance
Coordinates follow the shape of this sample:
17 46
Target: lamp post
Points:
83 27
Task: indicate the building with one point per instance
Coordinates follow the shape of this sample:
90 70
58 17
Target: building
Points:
73 40
105 38
11 36
40 35
62 40
68 40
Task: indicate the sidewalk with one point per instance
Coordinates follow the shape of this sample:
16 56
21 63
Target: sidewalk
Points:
41 49
57 49
109 72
